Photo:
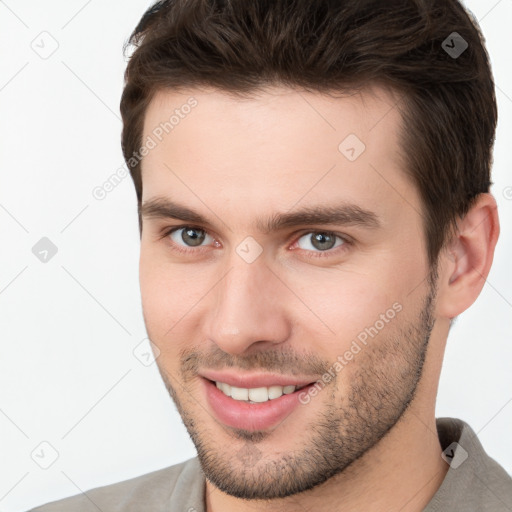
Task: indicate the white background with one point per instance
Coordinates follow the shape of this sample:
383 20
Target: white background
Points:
68 375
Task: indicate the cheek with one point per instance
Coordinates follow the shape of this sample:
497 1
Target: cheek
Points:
161 292
342 303
169 293
161 304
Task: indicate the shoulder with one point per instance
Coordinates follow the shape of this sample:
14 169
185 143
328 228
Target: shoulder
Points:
474 481
152 491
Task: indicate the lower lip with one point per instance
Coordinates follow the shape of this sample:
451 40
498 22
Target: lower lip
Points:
247 416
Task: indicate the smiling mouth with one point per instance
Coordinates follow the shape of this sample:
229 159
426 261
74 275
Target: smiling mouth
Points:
258 394
253 408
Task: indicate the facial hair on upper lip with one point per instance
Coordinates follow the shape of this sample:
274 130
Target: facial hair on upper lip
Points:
282 361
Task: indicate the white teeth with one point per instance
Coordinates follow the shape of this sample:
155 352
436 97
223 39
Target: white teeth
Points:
255 395
275 392
239 393
225 388
258 394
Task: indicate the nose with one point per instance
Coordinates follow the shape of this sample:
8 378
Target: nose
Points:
249 309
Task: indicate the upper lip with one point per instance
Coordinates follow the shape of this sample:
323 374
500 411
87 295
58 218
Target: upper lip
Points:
255 380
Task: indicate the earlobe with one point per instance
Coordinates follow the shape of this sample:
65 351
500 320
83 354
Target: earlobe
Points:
468 258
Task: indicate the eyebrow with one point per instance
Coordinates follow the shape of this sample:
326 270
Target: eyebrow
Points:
342 214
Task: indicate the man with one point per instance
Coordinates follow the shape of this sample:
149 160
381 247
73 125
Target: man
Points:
313 187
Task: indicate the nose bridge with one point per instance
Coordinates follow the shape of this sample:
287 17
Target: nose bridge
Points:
246 308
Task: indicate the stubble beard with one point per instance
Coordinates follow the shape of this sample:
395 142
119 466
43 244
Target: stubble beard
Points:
382 387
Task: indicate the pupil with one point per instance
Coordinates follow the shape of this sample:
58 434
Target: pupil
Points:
194 238
320 239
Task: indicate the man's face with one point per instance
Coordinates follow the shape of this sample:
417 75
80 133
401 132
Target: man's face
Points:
236 297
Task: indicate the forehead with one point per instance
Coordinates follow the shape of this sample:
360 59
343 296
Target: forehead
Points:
287 112
283 145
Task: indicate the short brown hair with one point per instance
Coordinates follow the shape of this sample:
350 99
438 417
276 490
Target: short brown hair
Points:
448 102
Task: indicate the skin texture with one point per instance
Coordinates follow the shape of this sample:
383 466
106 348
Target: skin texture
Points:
367 440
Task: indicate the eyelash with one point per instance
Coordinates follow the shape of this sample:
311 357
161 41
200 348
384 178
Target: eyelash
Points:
311 254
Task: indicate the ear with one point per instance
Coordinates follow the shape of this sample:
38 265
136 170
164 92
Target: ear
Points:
467 259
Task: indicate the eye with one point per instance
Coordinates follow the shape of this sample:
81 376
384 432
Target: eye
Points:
321 242
190 239
185 238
